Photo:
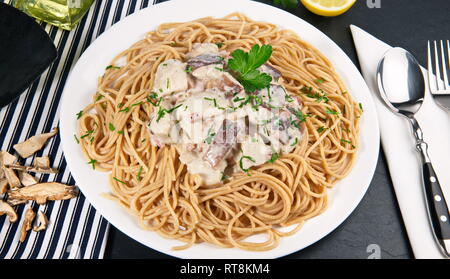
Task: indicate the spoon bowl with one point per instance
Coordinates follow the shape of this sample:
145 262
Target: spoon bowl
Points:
401 82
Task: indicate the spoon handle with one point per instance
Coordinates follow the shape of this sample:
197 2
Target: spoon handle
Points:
438 212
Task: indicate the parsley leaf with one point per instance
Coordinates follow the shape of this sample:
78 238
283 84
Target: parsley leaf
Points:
246 64
290 4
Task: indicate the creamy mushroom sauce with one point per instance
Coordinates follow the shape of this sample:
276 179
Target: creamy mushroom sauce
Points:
216 126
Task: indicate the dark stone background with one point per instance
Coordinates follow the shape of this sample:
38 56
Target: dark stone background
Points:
377 219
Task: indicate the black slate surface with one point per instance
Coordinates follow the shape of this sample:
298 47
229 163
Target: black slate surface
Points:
377 219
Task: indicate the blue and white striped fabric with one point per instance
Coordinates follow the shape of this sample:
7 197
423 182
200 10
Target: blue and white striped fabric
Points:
75 230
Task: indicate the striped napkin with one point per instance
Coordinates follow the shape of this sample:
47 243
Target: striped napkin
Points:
76 230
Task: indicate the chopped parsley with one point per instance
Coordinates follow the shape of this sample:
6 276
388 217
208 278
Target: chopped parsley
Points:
92 162
241 162
80 114
274 157
127 109
330 111
137 104
210 137
118 180
112 67
162 112
99 97
120 132
288 98
188 69
224 177
220 44
319 80
347 141
138 176
361 107
76 139
111 127
321 129
295 142
88 134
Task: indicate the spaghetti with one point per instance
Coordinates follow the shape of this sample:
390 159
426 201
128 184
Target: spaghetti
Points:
152 183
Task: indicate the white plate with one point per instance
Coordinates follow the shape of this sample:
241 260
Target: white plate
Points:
83 80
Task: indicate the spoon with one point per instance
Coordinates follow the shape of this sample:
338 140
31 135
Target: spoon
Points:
402 87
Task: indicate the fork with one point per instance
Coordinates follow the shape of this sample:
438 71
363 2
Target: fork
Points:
439 88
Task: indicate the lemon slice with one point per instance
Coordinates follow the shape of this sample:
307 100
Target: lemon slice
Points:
328 7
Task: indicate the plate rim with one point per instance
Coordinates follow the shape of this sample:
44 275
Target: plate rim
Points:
67 137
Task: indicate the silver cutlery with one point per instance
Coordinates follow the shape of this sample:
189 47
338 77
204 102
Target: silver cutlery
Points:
402 87
438 82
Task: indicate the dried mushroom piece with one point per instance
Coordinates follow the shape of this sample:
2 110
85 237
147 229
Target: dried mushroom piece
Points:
6 158
3 185
27 179
32 169
34 144
43 192
42 222
42 162
7 209
13 180
14 202
27 224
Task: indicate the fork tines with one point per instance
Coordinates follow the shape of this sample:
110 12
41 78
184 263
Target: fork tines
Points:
439 80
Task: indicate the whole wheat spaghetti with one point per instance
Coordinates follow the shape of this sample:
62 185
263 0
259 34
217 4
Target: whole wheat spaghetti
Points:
152 183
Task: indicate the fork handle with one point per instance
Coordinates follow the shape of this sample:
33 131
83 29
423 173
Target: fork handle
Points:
435 201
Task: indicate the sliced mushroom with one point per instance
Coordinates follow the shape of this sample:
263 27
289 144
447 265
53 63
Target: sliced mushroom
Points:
3 185
27 179
27 224
222 143
7 209
42 222
205 60
42 162
34 144
6 158
32 169
43 192
13 180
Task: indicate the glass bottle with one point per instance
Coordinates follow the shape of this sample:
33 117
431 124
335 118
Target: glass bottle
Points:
62 13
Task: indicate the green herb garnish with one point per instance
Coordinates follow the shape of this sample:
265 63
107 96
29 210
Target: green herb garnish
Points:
274 157
112 67
138 176
245 65
241 163
330 111
319 80
118 180
111 127
79 114
321 129
92 162
295 142
188 69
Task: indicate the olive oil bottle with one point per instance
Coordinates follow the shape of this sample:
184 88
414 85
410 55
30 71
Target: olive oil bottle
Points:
62 13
